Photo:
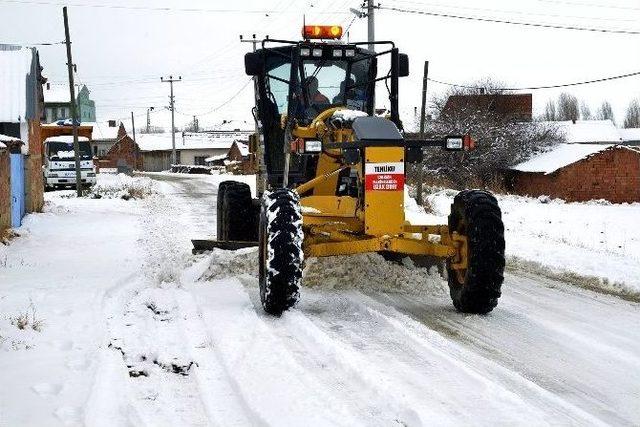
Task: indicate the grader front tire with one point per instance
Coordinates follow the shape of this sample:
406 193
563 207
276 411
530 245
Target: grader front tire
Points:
281 256
476 215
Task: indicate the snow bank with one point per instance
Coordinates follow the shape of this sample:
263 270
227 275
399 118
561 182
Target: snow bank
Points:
583 243
122 186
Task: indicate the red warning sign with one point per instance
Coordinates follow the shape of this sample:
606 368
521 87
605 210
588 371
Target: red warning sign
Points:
384 176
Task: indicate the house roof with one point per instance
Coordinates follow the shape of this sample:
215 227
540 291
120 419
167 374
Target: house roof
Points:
65 138
16 79
7 138
57 94
184 141
560 156
102 131
588 131
630 134
243 148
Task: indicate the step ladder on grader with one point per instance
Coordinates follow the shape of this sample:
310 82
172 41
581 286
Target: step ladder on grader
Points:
332 175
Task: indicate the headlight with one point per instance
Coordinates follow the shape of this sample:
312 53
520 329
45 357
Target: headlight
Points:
350 53
337 53
317 51
454 143
312 146
305 51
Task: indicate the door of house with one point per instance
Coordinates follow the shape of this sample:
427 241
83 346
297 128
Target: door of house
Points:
17 189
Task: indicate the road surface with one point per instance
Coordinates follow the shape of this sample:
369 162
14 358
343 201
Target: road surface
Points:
185 342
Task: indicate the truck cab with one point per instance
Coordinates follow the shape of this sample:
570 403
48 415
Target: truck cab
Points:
59 167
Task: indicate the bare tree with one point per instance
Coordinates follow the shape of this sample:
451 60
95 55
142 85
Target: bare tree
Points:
585 111
568 107
550 113
501 140
632 116
605 112
152 129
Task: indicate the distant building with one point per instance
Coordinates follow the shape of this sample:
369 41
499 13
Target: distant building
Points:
518 107
580 172
191 148
630 136
57 104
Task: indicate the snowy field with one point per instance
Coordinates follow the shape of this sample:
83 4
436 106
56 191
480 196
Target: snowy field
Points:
592 244
121 325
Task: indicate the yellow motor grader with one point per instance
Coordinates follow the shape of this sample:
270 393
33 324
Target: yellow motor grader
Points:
332 175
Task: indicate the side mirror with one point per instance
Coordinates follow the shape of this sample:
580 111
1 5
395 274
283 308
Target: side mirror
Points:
403 65
253 63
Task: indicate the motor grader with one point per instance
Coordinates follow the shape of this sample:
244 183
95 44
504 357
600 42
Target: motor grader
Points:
332 171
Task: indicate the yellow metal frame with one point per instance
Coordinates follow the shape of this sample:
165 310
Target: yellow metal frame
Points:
339 225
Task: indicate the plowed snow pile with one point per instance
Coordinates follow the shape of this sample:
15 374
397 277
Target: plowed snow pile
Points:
364 271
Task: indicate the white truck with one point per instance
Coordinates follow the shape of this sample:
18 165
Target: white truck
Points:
59 165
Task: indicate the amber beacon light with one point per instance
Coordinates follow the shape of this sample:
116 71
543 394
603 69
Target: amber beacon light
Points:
322 31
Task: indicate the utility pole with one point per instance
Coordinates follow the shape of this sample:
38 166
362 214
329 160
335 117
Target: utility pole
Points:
133 126
170 80
422 125
72 90
149 119
371 29
261 184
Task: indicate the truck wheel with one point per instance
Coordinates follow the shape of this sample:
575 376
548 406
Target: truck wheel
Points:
236 215
281 256
476 215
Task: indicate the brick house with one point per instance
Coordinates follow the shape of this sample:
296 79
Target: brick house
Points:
124 154
580 172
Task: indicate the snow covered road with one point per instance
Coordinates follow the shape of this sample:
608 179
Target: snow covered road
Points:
144 333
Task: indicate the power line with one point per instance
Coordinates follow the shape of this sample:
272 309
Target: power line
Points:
157 9
505 21
604 79
34 44
231 98
575 3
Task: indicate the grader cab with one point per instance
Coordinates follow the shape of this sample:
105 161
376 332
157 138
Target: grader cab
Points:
332 174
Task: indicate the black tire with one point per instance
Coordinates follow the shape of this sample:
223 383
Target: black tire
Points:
281 256
236 216
476 214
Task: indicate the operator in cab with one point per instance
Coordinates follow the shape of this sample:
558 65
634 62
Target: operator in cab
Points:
315 96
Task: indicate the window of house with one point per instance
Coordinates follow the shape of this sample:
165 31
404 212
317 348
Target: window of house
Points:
199 160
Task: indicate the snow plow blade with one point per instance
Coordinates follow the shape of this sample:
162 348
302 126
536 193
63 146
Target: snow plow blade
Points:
200 246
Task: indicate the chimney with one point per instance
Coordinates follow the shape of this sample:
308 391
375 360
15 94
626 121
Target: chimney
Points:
112 123
573 121
48 86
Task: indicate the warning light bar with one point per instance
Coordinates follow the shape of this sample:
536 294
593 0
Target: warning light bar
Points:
321 32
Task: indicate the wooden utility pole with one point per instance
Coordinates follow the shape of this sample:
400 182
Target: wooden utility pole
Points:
135 152
170 80
133 126
422 125
74 115
149 118
371 28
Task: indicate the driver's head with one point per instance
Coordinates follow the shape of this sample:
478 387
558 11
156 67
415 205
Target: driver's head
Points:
312 84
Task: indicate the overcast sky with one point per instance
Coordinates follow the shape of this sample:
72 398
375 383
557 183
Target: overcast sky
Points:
122 52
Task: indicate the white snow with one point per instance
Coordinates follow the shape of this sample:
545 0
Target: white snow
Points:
591 244
57 94
186 141
15 65
349 115
588 131
2 145
630 134
6 138
559 156
134 330
65 138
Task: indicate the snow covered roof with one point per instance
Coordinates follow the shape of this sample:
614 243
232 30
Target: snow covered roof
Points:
588 131
57 93
216 158
101 130
630 134
186 141
235 125
244 148
65 138
15 80
560 156
7 138
2 145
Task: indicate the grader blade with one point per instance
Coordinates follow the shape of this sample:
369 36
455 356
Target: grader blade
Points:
200 246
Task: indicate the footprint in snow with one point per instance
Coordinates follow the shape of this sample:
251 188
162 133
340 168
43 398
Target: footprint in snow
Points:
78 363
47 389
69 415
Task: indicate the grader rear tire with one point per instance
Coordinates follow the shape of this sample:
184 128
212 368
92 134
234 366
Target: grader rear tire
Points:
281 256
475 214
236 215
